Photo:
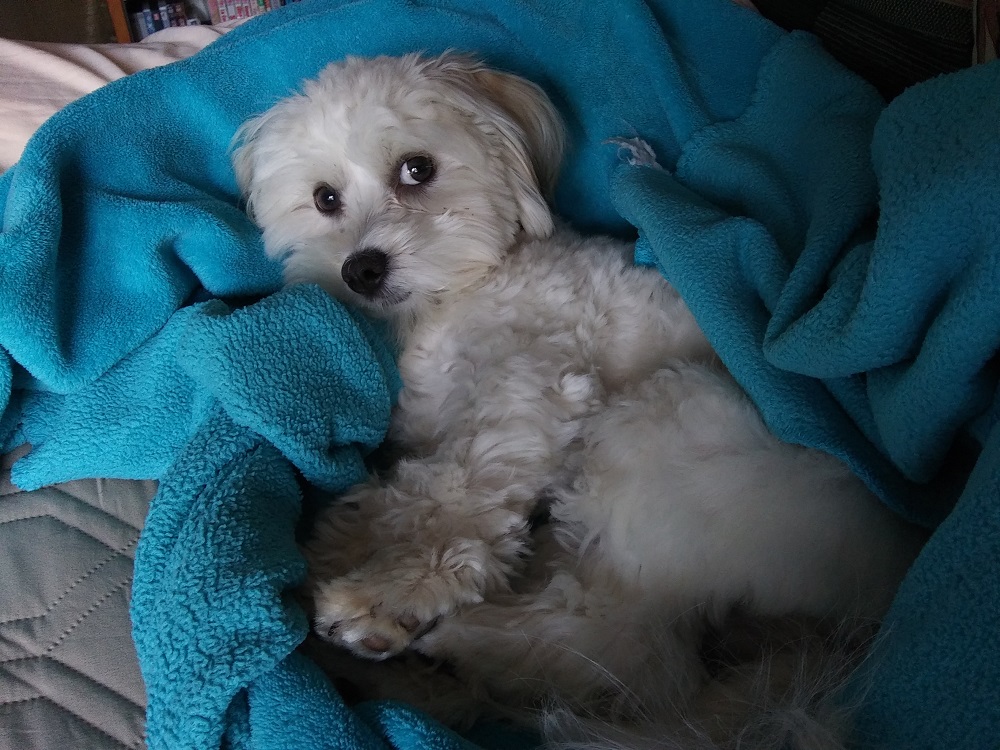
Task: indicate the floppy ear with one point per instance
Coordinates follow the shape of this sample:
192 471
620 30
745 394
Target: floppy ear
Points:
259 150
528 125
244 157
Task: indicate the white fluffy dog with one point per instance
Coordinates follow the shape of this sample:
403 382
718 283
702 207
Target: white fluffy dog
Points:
541 369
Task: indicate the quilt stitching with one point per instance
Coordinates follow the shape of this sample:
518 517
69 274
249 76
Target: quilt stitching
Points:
92 585
88 612
65 523
90 503
69 668
74 714
79 498
89 678
48 610
96 605
34 516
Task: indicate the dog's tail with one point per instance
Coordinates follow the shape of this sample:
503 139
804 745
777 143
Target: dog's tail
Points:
781 685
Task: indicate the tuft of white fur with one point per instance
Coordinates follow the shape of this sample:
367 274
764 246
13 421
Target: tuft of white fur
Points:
784 687
542 367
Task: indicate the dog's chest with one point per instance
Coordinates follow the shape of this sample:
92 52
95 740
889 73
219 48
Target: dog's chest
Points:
554 331
489 356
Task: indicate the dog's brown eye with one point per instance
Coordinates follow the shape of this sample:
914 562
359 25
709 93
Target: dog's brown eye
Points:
327 199
416 170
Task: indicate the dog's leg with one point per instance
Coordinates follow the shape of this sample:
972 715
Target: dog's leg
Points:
445 530
688 492
594 648
575 639
391 559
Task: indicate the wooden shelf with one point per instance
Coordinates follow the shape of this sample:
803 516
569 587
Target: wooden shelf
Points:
119 20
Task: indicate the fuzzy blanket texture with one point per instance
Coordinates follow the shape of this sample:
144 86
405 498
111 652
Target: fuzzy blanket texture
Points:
842 256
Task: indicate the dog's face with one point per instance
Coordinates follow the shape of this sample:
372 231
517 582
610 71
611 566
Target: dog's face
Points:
393 182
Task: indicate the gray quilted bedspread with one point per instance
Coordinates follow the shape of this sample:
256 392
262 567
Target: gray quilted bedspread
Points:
68 672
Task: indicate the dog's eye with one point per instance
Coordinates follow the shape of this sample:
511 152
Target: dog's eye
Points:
327 199
416 170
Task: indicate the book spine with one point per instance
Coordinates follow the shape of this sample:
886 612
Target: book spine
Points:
138 25
154 9
213 11
147 19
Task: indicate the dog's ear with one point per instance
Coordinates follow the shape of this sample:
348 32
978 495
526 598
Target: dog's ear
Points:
243 155
250 151
528 125
537 154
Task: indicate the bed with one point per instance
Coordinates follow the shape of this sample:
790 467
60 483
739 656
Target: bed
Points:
70 677
875 343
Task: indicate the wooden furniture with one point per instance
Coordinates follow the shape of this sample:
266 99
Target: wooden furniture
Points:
119 20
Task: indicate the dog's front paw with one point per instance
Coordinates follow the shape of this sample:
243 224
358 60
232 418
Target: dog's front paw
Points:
377 610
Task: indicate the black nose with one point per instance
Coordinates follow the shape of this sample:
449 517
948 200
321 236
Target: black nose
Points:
365 271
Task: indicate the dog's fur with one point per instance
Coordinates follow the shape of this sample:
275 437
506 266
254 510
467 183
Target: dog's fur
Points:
540 369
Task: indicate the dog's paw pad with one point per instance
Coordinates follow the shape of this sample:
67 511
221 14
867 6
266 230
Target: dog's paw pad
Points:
371 634
410 623
357 618
416 627
377 644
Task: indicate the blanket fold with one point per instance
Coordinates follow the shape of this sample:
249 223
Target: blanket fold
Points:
302 372
296 368
871 340
208 614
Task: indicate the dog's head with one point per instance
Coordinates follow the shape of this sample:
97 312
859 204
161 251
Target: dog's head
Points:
393 182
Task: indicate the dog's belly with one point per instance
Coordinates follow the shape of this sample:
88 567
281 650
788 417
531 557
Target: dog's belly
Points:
688 494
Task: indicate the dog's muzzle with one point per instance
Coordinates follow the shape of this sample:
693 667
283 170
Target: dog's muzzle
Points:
365 271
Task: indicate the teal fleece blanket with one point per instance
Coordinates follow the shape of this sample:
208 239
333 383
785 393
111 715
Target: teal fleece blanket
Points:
842 257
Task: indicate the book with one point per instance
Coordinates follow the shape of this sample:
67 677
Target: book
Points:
142 23
221 11
147 17
154 10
